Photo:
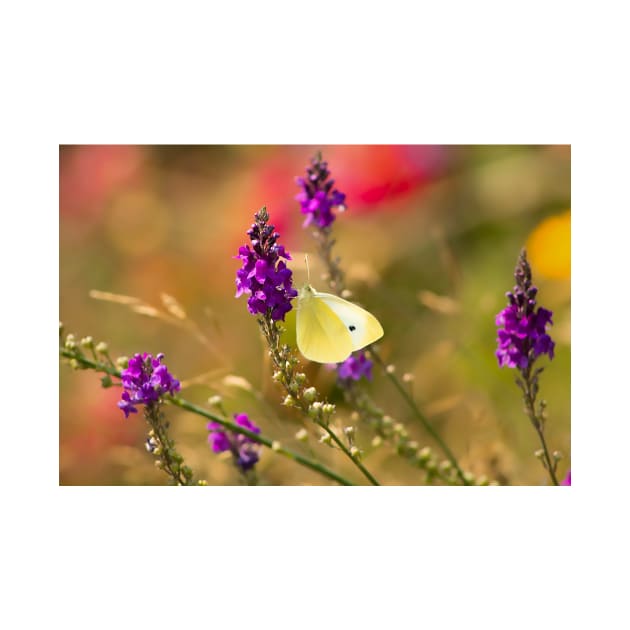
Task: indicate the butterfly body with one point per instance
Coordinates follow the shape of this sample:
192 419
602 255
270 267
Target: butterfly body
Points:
329 328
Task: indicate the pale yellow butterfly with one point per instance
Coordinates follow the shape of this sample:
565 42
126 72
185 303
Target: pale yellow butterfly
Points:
329 328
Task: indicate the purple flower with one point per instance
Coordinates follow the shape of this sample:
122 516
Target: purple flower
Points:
317 198
354 367
243 448
567 480
263 276
522 335
144 381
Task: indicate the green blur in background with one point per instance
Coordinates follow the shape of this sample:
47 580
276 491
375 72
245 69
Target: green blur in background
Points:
429 242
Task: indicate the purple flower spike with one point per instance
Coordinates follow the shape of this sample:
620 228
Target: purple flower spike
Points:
145 381
317 198
567 480
522 335
355 367
263 276
244 450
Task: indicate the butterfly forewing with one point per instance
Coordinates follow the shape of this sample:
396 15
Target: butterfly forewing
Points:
363 327
321 334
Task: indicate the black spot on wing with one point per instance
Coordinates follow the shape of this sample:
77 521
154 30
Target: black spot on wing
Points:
352 328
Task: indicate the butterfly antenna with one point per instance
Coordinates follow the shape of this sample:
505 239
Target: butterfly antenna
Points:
308 271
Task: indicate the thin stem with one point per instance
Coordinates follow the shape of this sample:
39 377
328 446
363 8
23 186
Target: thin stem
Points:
417 413
336 281
342 446
300 459
529 397
285 364
168 455
184 404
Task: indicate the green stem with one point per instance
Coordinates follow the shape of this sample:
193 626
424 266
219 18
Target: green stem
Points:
342 446
184 404
256 437
425 423
170 466
529 397
283 362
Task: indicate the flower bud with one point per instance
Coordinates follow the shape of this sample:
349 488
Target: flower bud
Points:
355 452
74 364
215 401
102 347
424 454
302 435
71 343
557 455
289 401
387 420
310 394
300 378
87 342
377 440
349 431
539 453
122 362
407 377
325 439
315 410
469 477
328 408
399 428
276 446
202 482
277 376
390 369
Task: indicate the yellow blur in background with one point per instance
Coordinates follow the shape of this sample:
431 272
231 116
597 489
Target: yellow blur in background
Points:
549 247
428 243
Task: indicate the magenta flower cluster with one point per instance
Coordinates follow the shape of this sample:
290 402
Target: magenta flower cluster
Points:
355 367
522 327
244 450
263 276
145 380
317 198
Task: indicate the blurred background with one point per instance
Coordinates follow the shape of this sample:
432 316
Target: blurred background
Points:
429 242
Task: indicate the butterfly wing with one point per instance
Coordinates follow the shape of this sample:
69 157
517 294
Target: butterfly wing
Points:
321 335
363 327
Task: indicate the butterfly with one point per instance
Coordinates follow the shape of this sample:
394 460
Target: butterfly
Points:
329 328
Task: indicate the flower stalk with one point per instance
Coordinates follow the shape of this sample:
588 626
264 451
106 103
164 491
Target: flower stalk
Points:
522 338
79 361
317 198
